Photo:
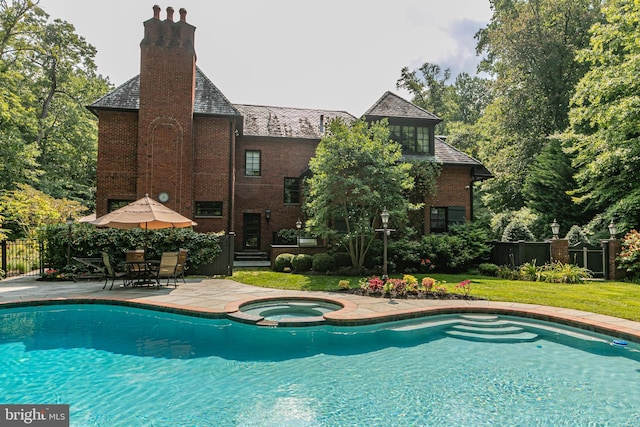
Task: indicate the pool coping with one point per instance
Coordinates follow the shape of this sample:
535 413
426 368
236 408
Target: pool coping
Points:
355 311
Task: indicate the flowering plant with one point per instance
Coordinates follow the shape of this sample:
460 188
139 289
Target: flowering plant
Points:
51 274
428 283
411 283
372 286
398 287
464 287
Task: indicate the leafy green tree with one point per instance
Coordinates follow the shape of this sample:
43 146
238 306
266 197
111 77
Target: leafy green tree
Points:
47 76
605 118
18 163
356 172
25 209
530 48
461 102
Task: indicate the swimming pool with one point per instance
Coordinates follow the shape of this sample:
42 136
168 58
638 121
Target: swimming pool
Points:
125 366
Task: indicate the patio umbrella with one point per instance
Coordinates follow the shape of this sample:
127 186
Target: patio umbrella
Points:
145 213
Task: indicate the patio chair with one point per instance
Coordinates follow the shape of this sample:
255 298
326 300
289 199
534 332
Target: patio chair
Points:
181 267
112 274
167 268
135 260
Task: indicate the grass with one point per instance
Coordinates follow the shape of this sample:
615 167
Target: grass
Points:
619 299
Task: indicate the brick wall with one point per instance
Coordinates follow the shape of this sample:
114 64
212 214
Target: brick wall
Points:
117 158
213 147
454 189
279 159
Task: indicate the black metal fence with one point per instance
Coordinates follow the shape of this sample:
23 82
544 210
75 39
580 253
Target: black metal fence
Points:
22 257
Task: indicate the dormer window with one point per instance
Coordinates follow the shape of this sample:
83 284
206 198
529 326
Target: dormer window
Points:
413 139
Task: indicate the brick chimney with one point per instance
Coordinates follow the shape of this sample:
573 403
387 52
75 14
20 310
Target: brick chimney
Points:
165 121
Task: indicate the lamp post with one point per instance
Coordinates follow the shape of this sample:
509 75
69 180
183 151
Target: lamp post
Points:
613 229
70 220
299 227
555 228
386 231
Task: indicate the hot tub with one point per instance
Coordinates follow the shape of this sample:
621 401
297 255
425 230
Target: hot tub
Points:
286 311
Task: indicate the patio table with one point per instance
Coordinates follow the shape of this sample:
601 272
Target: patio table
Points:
142 273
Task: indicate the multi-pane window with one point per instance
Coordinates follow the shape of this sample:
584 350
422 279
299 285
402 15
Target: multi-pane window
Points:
252 163
413 139
292 190
422 140
443 217
208 209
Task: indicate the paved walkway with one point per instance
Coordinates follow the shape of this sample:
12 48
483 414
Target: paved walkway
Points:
222 297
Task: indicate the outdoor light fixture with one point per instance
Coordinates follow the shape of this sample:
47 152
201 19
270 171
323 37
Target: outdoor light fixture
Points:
267 214
385 218
299 227
613 229
555 228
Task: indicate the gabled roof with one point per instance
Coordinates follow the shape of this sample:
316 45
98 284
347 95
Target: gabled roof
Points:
265 121
208 98
392 105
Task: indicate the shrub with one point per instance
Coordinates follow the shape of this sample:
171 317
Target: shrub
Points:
463 247
344 284
90 241
343 259
575 235
301 262
629 258
529 271
323 263
282 262
488 269
559 272
517 230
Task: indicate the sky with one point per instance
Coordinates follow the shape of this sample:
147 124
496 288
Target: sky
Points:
325 54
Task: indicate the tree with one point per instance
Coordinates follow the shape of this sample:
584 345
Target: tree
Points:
47 76
356 172
25 209
605 118
547 186
530 48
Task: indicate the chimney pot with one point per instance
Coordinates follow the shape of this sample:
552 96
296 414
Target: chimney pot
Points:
156 12
183 14
170 14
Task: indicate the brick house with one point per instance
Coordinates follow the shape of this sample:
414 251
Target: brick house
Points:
169 132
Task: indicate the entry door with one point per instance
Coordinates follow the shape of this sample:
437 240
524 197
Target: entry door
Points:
251 231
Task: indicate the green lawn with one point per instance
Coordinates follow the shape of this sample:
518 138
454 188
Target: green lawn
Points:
618 299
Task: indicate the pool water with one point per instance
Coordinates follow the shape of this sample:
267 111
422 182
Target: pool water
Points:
284 308
120 366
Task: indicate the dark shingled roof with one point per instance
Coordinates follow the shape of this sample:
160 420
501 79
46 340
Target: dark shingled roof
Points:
208 98
448 155
391 105
260 120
